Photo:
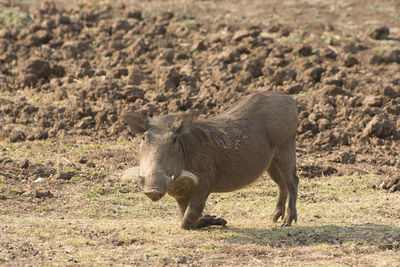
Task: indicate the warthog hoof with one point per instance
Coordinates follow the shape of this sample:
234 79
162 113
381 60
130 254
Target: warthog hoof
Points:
279 213
288 220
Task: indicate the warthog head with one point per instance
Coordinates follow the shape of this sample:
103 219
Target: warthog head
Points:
161 164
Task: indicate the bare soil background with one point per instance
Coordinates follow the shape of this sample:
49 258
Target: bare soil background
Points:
68 70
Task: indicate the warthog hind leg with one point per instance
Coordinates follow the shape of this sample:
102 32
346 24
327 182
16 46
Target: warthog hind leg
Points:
277 177
286 163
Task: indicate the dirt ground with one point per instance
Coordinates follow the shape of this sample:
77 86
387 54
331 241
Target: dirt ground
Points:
68 70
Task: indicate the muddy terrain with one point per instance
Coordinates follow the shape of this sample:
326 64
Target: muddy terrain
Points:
68 72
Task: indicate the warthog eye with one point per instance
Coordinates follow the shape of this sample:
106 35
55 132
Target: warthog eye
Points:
174 139
144 136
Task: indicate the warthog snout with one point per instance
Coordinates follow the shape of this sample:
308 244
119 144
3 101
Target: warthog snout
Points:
154 195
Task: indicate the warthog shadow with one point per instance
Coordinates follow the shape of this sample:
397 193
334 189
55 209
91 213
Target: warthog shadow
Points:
383 236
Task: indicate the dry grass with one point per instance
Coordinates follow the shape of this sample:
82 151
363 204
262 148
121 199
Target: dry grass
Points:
102 222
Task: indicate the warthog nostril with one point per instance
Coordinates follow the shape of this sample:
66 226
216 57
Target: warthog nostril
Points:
154 195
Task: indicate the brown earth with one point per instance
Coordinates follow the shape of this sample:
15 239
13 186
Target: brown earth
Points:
68 72
73 72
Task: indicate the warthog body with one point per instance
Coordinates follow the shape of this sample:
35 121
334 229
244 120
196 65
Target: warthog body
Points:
189 159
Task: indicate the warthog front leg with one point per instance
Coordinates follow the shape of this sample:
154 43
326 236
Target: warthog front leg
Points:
192 217
208 220
182 206
193 212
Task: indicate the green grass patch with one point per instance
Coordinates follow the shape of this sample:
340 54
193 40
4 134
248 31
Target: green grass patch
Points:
14 18
45 209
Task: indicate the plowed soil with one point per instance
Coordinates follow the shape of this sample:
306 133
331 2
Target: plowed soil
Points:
69 70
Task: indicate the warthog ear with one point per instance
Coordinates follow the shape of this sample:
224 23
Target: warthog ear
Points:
183 123
136 122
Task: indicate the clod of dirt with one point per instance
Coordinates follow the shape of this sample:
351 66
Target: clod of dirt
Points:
306 125
119 242
338 81
285 31
198 46
344 158
182 260
82 160
377 59
373 101
390 92
350 61
5 33
393 109
254 66
17 136
38 67
65 175
58 70
135 76
379 127
294 89
329 53
38 38
305 50
90 164
40 134
119 72
380 33
283 75
228 55
312 171
394 56
134 14
122 25
24 164
85 123
334 91
241 34
330 139
61 93
47 7
348 158
43 194
315 74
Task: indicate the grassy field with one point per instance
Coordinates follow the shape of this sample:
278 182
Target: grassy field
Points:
97 220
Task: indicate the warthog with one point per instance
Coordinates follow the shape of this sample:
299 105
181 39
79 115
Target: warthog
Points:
189 158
